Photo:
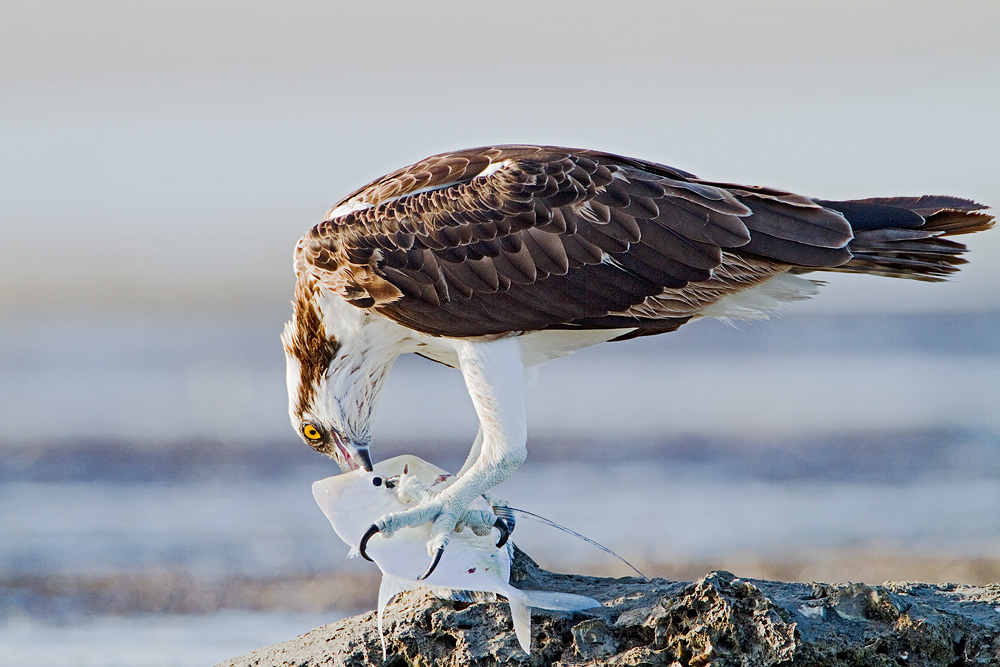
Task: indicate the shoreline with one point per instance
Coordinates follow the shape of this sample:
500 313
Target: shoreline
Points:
718 619
161 592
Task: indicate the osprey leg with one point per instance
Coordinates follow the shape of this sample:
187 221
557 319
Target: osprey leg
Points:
494 375
499 504
477 446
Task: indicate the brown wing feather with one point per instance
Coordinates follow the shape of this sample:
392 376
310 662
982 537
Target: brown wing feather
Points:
514 238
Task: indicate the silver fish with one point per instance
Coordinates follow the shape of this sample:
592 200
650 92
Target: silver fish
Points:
472 567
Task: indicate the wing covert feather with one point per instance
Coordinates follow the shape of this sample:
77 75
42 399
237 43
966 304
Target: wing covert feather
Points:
511 238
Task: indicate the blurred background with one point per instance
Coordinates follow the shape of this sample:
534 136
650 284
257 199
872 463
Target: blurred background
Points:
158 162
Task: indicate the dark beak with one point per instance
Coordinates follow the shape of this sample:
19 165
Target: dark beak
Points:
351 455
361 456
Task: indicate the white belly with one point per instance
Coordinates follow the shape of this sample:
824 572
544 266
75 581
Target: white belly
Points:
537 347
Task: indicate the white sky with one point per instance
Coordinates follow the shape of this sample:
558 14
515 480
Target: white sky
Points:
160 154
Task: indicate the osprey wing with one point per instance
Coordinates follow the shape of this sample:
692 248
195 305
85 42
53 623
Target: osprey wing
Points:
503 239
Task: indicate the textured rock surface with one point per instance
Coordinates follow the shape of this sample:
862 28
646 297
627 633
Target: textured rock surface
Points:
719 620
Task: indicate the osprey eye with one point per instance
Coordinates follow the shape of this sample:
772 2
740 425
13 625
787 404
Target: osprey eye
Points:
311 432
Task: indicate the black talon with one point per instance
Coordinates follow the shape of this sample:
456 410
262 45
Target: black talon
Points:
501 525
364 541
434 564
506 515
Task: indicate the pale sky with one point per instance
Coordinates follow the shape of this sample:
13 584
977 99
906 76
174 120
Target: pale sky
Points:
157 155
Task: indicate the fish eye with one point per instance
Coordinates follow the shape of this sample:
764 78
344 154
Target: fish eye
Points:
377 481
310 431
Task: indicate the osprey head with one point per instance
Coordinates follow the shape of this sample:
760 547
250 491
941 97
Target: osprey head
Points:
325 407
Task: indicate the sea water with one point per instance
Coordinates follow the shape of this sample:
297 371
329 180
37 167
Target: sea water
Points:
149 482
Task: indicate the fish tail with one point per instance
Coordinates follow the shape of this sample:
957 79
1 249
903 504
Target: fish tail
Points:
521 615
390 587
522 601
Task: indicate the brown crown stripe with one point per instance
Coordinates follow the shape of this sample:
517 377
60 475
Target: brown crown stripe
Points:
309 342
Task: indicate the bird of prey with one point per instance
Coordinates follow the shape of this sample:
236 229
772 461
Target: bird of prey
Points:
494 259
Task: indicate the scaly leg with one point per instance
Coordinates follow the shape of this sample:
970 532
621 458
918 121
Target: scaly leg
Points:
494 375
498 503
477 447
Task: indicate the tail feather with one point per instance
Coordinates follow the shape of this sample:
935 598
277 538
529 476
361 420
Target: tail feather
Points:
953 223
925 205
903 237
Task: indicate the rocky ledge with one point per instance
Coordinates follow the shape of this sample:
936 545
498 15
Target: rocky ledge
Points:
719 620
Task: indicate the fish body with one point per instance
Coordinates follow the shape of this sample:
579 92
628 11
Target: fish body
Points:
472 568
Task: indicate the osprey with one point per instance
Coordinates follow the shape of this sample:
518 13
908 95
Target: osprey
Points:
493 259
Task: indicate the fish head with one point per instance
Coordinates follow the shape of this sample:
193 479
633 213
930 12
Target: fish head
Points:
353 500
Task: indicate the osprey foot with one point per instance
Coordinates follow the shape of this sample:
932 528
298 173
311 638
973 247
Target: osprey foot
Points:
444 521
499 524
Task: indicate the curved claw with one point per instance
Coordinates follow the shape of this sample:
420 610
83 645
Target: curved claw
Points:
363 547
434 564
501 525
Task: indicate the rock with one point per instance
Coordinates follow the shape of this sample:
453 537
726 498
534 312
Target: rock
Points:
720 620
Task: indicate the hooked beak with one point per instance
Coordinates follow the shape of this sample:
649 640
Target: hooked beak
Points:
351 455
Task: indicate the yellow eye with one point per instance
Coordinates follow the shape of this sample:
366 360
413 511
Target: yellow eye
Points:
311 432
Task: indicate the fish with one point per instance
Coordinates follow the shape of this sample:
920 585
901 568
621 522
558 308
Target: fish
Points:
472 569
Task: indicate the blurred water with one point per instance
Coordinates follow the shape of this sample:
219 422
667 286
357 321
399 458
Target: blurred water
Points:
161 640
107 569
141 455
162 380
653 511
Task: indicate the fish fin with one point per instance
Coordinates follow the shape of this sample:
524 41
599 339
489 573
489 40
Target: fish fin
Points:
520 613
505 562
463 596
353 553
390 587
559 601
